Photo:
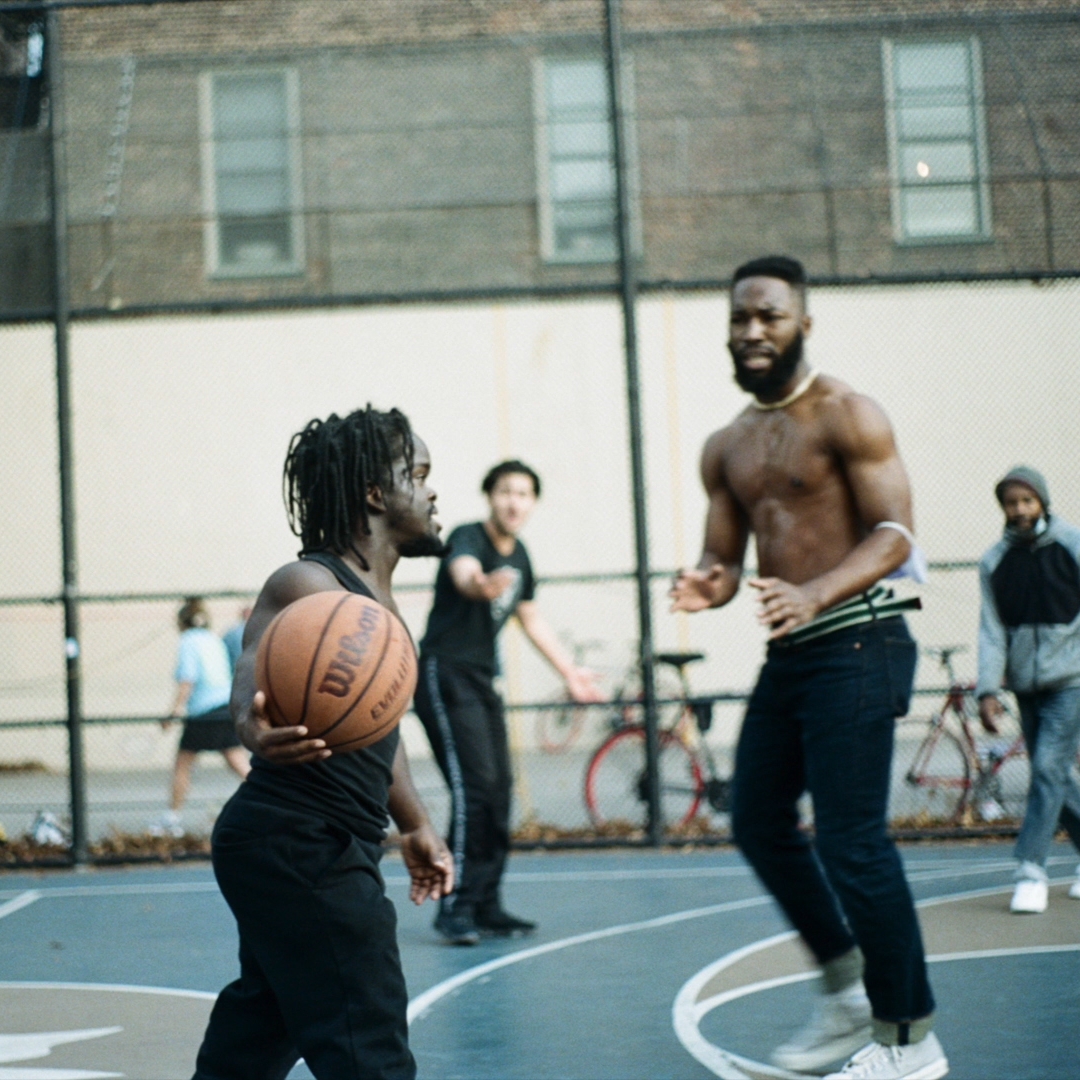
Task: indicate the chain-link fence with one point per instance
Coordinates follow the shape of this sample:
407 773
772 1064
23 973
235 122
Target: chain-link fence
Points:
269 210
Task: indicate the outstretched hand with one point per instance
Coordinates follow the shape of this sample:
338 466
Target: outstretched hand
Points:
784 606
493 585
429 862
582 686
280 745
697 590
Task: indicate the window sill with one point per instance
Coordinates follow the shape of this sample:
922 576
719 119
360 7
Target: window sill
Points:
256 273
941 241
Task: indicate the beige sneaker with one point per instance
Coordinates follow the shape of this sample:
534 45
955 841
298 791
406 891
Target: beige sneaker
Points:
924 1060
838 1026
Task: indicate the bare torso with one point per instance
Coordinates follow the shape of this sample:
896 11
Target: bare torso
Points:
786 472
812 481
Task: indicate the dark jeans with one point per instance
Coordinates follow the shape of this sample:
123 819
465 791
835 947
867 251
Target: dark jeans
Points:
465 723
821 719
320 975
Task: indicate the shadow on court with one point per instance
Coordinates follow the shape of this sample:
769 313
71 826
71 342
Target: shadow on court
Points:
113 972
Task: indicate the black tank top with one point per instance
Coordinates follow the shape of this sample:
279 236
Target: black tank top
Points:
349 789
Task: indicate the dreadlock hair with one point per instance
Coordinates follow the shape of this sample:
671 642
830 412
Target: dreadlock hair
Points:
329 469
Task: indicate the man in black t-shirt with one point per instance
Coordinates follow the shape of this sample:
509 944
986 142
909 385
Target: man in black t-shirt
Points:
484 578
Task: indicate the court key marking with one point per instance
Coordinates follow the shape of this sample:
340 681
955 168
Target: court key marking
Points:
688 1011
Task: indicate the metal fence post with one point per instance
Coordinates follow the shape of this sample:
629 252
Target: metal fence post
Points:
70 597
628 287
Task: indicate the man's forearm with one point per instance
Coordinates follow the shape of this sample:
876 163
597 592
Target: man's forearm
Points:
867 563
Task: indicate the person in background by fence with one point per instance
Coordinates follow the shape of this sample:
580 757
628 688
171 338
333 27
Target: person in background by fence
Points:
812 470
234 636
1029 641
203 684
484 578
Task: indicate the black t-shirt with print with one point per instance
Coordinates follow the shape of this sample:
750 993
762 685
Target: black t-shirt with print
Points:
463 630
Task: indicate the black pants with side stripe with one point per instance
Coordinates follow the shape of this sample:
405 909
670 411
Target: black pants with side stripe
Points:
466 725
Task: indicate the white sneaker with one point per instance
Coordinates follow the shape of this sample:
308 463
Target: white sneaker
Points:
1029 898
838 1026
1074 888
924 1060
166 824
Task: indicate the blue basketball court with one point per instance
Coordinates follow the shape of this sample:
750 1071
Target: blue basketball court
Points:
647 964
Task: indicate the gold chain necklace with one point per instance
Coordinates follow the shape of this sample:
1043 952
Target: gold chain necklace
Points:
766 406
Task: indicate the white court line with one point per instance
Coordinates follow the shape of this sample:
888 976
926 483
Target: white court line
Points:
147 889
731 1066
421 1004
936 868
24 899
687 1011
115 988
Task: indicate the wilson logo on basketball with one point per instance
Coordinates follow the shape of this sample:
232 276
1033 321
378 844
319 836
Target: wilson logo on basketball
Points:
341 671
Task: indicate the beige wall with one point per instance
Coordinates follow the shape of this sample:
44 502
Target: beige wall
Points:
181 427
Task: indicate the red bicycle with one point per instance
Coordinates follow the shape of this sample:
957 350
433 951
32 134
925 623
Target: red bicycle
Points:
616 779
967 774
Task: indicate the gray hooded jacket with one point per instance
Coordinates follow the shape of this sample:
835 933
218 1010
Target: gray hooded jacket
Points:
1029 624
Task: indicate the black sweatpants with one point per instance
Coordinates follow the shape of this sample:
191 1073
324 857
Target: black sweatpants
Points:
320 975
465 723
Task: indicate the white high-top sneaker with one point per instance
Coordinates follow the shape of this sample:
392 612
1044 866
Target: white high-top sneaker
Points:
838 1026
924 1060
1074 888
1029 898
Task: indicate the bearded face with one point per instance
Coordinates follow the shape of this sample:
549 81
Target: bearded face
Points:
770 380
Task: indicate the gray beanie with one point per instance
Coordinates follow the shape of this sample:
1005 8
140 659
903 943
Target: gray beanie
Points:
1029 477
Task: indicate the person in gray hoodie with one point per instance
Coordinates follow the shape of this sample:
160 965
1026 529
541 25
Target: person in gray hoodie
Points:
1029 641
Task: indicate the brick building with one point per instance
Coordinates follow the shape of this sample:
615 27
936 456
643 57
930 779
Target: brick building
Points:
262 150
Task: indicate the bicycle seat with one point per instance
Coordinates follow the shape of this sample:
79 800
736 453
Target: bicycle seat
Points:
678 659
943 652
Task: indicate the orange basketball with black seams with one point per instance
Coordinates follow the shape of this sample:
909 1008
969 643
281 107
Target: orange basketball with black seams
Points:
341 665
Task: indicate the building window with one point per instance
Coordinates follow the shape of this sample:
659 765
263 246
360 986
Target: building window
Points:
937 140
251 173
575 161
22 54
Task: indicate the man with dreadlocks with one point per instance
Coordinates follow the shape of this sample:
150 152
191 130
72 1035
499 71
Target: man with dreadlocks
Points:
296 850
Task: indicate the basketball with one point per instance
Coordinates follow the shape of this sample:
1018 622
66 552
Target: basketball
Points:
340 664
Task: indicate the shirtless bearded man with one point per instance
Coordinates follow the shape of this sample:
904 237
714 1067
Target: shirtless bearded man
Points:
811 469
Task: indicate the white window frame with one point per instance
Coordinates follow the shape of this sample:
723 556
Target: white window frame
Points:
545 205
211 234
981 182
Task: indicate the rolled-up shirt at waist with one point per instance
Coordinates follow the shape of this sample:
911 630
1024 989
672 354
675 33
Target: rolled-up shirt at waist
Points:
878 602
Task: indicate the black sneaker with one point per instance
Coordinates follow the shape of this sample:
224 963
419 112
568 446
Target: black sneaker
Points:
499 923
457 928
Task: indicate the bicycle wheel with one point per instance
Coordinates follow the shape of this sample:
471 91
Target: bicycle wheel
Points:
616 782
558 726
940 769
1004 771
